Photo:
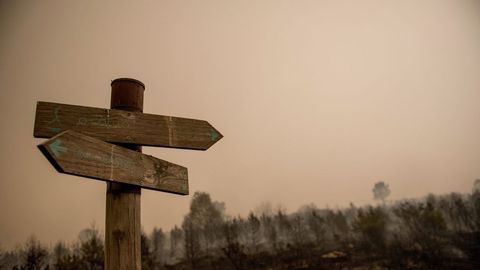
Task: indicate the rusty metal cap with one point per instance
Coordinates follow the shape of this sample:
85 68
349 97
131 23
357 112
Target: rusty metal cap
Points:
128 80
127 94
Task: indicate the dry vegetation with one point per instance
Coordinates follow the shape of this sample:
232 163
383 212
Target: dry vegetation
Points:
436 232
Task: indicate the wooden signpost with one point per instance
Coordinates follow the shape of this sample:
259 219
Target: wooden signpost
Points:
105 144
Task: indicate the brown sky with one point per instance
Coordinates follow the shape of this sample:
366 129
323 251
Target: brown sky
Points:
317 100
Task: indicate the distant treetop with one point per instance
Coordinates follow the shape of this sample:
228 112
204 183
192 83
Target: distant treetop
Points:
476 186
381 191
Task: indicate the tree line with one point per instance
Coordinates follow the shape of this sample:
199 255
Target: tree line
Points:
435 232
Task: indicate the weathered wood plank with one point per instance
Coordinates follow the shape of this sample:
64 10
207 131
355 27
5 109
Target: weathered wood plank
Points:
118 126
122 230
75 153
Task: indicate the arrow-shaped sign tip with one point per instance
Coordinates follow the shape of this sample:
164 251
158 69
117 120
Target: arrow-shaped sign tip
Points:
57 148
215 135
52 149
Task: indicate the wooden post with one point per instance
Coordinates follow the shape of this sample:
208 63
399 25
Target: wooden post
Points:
122 226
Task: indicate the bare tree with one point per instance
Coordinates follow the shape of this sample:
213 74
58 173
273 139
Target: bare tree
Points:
206 218
337 224
476 186
34 255
146 253
176 235
65 258
91 248
192 241
270 231
371 224
9 259
316 224
232 248
424 226
157 245
251 233
381 191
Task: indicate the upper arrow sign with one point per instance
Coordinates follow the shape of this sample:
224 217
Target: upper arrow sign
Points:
124 127
74 153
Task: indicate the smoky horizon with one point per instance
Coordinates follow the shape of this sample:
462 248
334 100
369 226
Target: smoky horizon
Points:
317 101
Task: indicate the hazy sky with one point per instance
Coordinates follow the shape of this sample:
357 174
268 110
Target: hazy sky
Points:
317 100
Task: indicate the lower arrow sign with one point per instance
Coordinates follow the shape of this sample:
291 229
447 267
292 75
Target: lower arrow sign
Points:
74 153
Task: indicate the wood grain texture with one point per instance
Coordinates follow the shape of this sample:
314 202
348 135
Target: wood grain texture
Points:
122 229
75 153
118 126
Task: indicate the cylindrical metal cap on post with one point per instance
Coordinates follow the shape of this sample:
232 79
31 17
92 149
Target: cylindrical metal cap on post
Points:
127 94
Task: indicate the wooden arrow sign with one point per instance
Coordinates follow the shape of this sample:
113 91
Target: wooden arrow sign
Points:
74 153
124 127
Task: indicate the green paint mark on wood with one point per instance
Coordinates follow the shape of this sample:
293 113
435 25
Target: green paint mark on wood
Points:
108 160
57 147
56 130
55 119
104 122
213 134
